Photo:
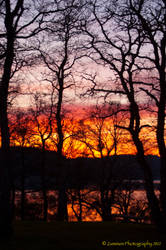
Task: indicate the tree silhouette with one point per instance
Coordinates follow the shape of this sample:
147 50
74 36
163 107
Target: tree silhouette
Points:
13 28
100 133
42 121
21 21
59 62
153 24
121 53
20 136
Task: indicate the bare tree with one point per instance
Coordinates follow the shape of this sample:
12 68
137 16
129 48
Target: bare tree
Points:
128 205
20 136
14 26
42 118
151 19
120 52
60 61
21 21
100 133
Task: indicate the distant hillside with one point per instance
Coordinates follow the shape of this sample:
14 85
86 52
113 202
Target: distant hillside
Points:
121 167
80 170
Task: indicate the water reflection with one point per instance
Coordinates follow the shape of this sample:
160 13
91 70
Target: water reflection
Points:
85 205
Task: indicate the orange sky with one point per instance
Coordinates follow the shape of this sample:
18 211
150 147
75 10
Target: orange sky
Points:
91 137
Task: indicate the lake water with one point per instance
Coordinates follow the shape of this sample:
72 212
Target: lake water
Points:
84 203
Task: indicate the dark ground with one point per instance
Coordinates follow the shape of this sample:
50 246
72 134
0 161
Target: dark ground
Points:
85 235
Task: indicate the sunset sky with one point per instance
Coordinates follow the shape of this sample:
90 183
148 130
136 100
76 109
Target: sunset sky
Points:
90 78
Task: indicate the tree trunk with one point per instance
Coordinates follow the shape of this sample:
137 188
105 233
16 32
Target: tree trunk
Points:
134 129
163 186
44 188
5 195
160 64
62 196
80 205
22 185
5 178
5 181
13 196
156 215
106 200
105 206
162 151
62 204
161 130
62 214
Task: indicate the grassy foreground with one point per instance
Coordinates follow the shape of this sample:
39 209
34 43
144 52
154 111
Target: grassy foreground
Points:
87 235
